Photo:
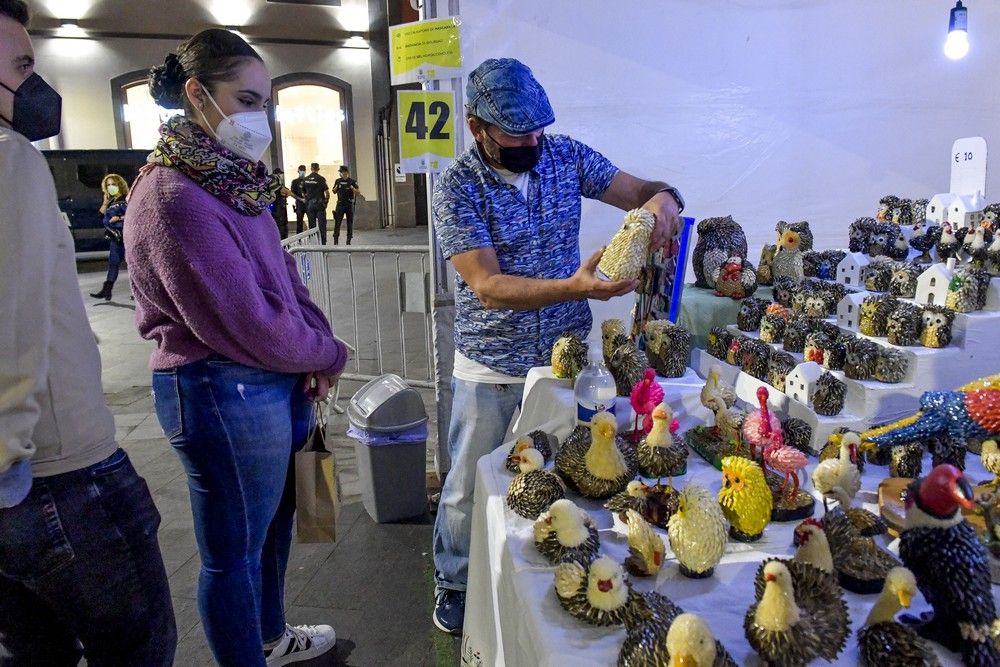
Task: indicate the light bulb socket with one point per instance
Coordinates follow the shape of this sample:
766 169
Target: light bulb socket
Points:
959 19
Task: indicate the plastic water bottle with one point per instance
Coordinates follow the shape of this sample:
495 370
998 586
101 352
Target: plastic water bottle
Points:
595 388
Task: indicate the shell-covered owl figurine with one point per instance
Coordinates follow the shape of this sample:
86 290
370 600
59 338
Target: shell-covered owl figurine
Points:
718 240
569 356
788 260
936 329
801 228
628 250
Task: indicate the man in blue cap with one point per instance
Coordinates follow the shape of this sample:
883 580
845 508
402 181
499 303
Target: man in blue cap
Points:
507 214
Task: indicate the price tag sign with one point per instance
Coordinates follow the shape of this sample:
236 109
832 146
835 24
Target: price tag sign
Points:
427 141
425 50
968 166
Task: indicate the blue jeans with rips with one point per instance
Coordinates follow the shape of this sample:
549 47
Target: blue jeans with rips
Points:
81 572
480 415
236 429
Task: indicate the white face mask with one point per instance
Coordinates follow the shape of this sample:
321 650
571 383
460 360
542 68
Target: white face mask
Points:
113 190
246 133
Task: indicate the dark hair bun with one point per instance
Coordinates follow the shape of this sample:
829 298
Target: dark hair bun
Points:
166 83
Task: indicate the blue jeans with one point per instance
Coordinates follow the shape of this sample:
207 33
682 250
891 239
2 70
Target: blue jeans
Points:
115 258
235 429
80 565
480 415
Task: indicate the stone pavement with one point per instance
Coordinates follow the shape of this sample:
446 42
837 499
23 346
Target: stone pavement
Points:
374 585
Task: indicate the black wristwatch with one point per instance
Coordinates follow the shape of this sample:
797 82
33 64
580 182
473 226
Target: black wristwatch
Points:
676 195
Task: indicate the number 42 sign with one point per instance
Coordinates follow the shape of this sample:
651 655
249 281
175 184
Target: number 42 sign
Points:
426 130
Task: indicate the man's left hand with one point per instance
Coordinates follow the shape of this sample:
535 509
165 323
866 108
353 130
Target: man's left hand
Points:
664 207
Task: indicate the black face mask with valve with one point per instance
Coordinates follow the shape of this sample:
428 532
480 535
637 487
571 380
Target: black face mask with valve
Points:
37 109
517 159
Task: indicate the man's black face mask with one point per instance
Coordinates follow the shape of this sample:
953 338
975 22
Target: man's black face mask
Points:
37 109
517 159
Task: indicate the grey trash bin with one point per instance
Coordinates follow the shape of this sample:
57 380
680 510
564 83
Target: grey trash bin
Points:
389 427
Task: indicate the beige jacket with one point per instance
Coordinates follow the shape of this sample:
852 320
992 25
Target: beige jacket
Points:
52 407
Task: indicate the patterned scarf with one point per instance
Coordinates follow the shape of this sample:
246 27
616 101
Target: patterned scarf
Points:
242 184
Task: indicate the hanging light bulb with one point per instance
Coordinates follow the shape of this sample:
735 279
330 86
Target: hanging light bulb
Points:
957 44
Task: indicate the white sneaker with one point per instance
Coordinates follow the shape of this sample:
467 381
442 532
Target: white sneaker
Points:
301 642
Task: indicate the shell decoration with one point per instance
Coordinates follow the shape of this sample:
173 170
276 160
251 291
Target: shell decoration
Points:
598 594
566 532
718 240
829 397
697 532
569 356
600 465
745 497
751 311
668 347
628 250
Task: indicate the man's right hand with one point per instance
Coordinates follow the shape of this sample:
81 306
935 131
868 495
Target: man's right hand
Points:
586 283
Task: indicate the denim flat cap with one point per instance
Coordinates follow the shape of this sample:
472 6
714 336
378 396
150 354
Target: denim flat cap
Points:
503 92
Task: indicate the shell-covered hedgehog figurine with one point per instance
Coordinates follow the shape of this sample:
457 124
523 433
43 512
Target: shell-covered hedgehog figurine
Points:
628 365
788 260
628 250
611 333
862 358
888 207
745 497
534 489
904 280
784 286
795 335
816 305
539 440
569 356
718 342
772 328
859 234
904 325
882 641
668 347
892 365
566 532
645 548
875 312
765 275
697 532
602 467
936 329
967 283
598 594
735 278
660 455
751 311
829 397
718 240
878 278
754 357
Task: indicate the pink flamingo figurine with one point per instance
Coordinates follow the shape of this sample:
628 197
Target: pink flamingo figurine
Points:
786 460
645 396
761 428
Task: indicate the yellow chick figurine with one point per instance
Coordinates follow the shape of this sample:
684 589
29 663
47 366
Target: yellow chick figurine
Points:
745 497
697 532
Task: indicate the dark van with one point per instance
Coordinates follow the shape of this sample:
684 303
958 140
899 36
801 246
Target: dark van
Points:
78 176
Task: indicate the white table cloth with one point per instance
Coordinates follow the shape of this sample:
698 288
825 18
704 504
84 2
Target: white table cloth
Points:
512 615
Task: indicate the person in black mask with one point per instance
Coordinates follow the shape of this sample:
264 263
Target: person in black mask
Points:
81 573
346 189
507 215
317 195
298 191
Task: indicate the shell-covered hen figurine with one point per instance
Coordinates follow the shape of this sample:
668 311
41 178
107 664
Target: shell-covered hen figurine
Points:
635 497
923 239
788 260
645 548
660 455
882 641
566 532
569 356
660 634
539 440
628 250
745 497
601 467
598 594
861 564
697 532
948 245
790 628
735 278
993 255
534 489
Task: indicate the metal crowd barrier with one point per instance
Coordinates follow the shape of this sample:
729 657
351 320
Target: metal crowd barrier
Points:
378 293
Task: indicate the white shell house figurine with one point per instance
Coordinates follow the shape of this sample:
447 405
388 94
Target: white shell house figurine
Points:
852 270
849 311
937 208
932 285
800 383
966 211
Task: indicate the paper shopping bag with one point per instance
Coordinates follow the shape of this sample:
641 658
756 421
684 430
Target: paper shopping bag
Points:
317 491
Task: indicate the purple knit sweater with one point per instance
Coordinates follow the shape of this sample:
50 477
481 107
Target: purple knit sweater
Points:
209 280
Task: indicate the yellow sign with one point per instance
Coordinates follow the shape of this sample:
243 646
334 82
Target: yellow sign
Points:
425 50
426 130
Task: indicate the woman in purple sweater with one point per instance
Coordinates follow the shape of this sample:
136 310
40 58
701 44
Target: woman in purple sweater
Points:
241 349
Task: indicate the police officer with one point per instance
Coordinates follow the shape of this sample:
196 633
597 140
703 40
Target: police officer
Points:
279 207
317 194
346 188
298 191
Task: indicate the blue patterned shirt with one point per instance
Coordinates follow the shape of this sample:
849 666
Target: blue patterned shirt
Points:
537 237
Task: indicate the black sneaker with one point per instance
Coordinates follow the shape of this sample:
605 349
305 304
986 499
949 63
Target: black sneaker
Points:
449 611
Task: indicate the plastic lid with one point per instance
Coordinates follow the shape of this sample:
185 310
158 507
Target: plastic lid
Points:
386 403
